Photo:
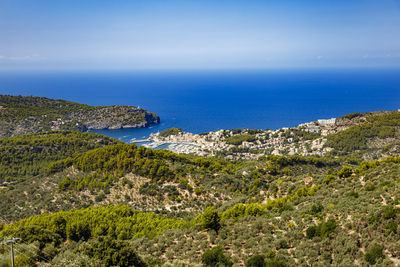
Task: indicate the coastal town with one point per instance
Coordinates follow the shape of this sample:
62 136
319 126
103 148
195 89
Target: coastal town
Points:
305 139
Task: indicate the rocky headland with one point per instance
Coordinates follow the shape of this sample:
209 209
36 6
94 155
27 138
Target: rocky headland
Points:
23 115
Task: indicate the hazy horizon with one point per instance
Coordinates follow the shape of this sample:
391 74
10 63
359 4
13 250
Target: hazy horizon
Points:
192 35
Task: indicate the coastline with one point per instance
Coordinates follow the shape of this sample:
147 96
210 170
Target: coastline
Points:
212 143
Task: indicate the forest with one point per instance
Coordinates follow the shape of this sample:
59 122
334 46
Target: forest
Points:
24 156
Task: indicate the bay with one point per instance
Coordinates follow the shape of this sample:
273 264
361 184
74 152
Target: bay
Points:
200 101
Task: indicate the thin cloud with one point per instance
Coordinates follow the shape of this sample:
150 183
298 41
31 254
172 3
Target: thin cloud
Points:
19 58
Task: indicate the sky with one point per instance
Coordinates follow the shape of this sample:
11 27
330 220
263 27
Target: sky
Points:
194 34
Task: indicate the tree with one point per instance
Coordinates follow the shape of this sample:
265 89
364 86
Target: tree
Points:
210 219
111 252
78 230
256 261
375 253
345 172
215 257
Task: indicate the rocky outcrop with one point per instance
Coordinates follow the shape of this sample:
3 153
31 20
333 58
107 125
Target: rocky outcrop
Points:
117 117
22 115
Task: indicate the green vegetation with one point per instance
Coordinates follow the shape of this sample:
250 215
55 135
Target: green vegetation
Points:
256 261
357 137
239 139
29 155
210 219
268 260
375 253
322 230
307 217
352 115
300 134
103 228
105 251
345 172
98 202
119 222
27 114
215 257
171 131
111 163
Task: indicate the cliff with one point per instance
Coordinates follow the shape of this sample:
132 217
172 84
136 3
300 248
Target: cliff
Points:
22 115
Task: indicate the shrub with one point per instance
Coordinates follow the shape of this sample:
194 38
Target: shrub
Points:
370 186
352 115
100 197
391 227
275 263
33 233
282 244
389 213
345 172
327 227
256 261
353 194
328 179
111 252
65 184
322 230
210 219
215 257
253 209
78 230
311 232
316 208
375 253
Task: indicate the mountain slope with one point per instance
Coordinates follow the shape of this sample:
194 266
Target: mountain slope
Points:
350 218
22 115
187 210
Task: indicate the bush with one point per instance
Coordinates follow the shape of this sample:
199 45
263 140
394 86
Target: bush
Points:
327 227
389 213
78 230
33 233
316 208
311 232
328 179
375 253
65 184
275 263
370 186
352 115
391 227
111 252
322 230
256 261
100 197
215 257
353 194
210 219
345 172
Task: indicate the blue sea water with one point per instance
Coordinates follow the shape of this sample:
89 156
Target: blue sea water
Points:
199 101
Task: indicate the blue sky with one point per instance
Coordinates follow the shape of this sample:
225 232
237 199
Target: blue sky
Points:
186 34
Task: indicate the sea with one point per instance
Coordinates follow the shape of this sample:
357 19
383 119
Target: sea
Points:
201 101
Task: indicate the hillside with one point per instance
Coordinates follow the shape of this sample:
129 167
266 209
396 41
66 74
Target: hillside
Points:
78 198
22 115
349 217
28 155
